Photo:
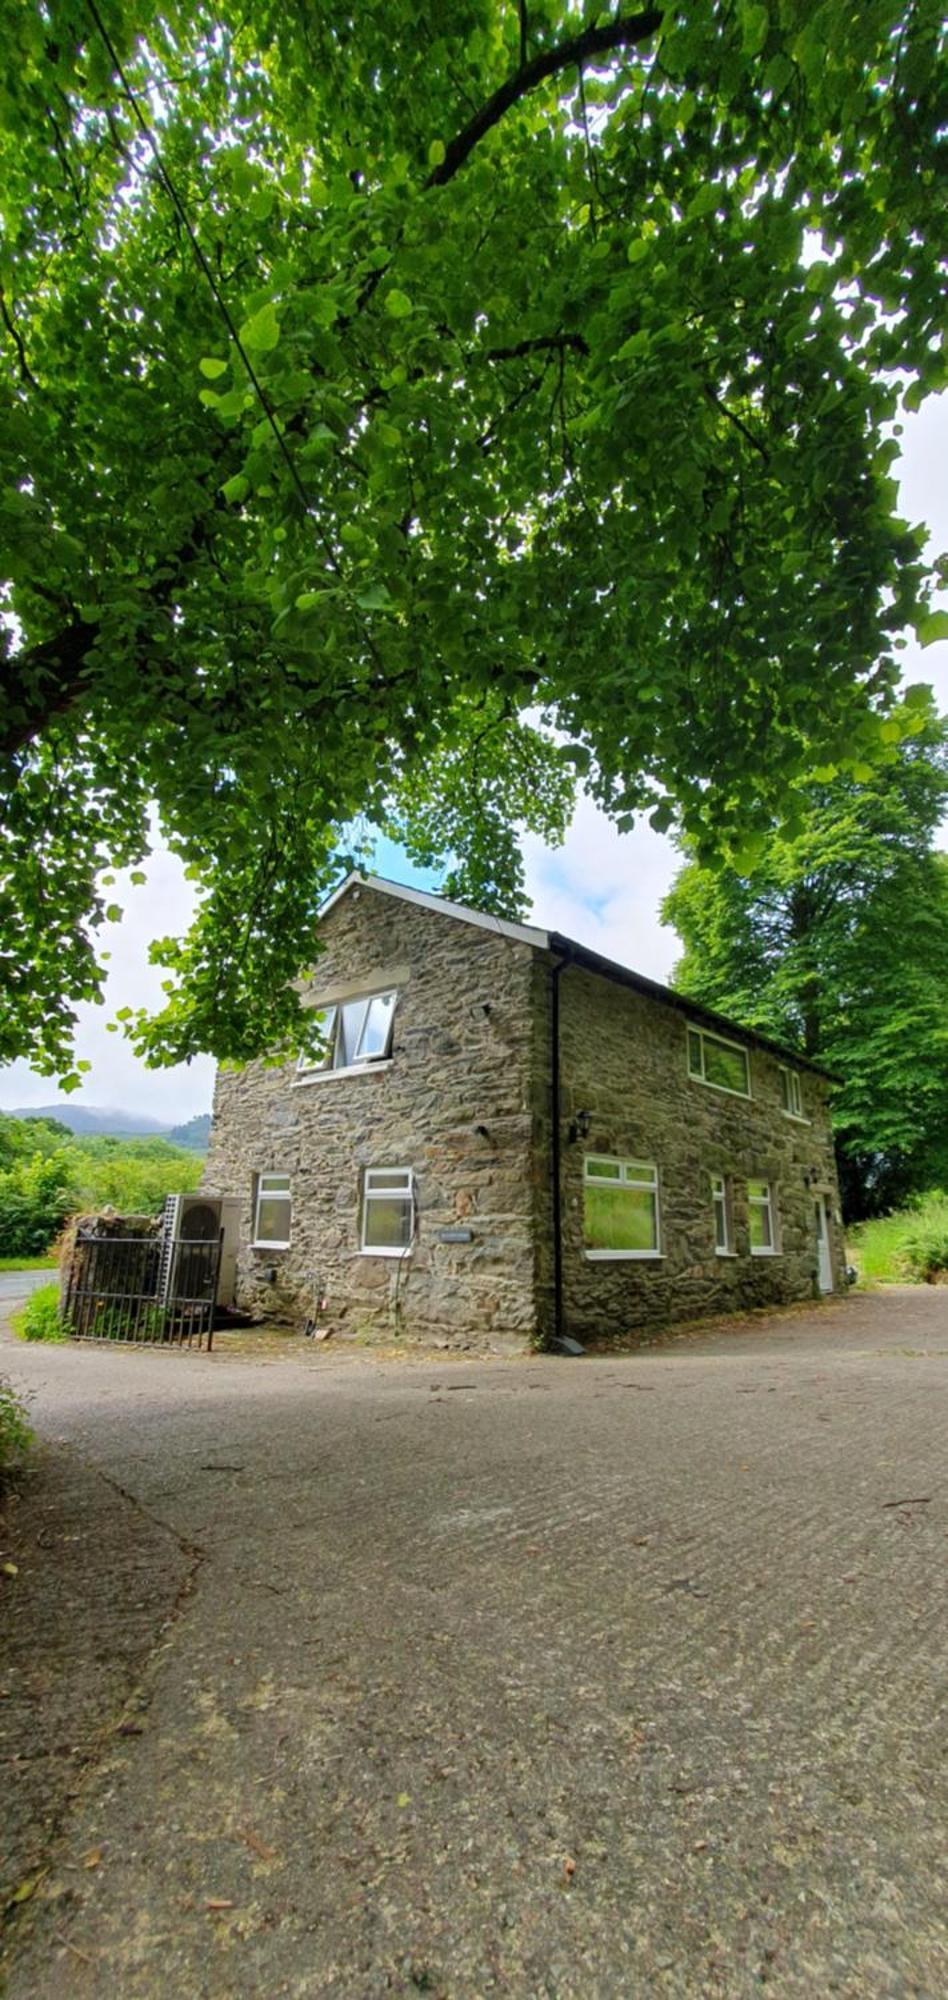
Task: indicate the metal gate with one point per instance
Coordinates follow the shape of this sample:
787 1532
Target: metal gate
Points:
116 1289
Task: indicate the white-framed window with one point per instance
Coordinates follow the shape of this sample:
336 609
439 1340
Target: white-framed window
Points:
791 1094
761 1219
722 1064
721 1211
620 1208
356 1033
388 1211
272 1211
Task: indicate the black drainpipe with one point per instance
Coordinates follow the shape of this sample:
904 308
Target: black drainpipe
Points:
556 1192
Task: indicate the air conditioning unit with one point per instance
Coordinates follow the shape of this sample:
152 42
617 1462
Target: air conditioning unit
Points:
199 1218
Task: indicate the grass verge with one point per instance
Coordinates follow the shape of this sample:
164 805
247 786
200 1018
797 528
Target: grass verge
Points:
38 1317
27 1263
908 1247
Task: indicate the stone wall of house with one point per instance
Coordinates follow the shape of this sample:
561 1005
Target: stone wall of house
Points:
624 1063
454 1103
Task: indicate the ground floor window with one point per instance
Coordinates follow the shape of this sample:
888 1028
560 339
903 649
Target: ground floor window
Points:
272 1210
760 1207
620 1208
388 1211
721 1208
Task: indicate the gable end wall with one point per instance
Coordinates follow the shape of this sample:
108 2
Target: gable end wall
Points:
461 1059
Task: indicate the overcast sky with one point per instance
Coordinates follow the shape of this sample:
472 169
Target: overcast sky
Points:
601 887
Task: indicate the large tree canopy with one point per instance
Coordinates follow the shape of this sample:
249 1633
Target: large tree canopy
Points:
838 944
377 382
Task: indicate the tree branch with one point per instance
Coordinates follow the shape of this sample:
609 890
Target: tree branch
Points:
582 48
738 422
17 339
541 343
50 678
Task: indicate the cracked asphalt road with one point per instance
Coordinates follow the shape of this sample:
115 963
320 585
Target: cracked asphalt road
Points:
622 1676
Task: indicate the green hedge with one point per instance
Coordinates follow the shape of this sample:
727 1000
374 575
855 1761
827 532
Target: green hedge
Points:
47 1175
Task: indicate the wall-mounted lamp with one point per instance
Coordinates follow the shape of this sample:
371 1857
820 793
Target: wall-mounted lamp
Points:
579 1126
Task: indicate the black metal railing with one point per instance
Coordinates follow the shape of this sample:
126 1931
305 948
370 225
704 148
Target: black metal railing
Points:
120 1288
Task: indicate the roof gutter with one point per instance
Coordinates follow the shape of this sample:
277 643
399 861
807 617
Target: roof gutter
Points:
579 954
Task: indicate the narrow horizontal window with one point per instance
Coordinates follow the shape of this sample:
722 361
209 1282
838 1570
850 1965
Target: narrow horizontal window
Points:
620 1208
388 1211
272 1211
760 1211
722 1064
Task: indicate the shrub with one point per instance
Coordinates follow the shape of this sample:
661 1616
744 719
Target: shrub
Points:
44 1179
924 1250
38 1318
15 1433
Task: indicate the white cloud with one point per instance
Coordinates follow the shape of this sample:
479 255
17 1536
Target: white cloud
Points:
603 888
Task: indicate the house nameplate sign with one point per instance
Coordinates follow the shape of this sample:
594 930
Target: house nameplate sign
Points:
455 1235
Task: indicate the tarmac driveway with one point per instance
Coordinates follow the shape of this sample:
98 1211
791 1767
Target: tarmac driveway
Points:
609 1677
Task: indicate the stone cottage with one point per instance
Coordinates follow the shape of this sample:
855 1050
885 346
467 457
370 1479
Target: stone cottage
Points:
509 1137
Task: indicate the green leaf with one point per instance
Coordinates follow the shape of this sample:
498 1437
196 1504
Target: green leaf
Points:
398 304
236 488
755 26
436 153
261 333
113 913
375 597
931 629
212 367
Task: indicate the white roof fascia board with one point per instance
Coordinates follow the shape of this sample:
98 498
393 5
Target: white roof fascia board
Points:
519 933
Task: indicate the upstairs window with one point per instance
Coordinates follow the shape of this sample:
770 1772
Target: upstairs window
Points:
721 1210
388 1211
791 1094
356 1033
620 1208
760 1211
272 1211
722 1064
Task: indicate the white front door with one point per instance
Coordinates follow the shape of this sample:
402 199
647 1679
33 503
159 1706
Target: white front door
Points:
824 1252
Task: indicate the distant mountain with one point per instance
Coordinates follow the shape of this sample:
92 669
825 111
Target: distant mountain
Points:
195 1134
94 1121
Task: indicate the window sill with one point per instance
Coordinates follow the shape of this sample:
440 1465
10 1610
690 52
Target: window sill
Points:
795 1117
260 1243
725 1253
624 1256
379 1250
333 1075
724 1088
769 1251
